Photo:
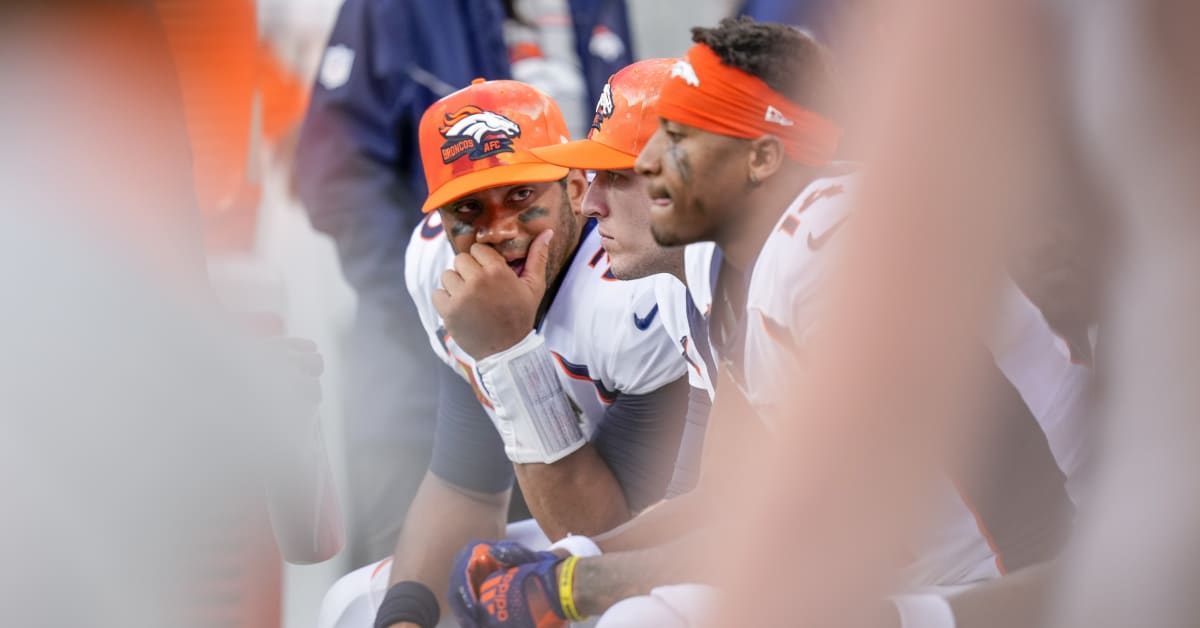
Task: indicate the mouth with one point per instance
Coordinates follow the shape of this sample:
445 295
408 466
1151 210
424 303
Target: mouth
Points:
608 243
660 198
517 265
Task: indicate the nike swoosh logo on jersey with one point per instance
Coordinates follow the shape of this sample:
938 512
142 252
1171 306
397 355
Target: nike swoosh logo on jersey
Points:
815 244
644 323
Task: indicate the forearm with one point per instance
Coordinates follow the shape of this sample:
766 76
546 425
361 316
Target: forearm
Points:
605 580
440 521
578 494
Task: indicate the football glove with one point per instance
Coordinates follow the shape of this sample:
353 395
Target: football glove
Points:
505 585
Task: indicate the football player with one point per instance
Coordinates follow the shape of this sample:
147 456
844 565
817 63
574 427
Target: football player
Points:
617 198
558 374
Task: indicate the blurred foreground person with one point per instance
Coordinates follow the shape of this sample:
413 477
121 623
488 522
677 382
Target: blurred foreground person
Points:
975 215
143 433
1135 93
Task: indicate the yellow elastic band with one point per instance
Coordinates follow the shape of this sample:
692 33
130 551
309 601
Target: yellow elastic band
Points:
566 589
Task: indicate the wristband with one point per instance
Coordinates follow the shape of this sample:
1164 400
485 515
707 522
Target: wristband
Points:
530 409
566 589
408 601
924 610
577 545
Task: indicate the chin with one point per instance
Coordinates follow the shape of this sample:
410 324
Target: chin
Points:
666 236
623 271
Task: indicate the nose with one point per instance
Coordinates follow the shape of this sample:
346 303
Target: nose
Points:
649 160
498 230
594 200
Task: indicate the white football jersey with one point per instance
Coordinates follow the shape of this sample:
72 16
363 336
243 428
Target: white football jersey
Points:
605 335
782 304
780 299
679 315
1052 383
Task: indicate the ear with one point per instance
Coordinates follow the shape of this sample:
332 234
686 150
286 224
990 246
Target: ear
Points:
764 159
577 185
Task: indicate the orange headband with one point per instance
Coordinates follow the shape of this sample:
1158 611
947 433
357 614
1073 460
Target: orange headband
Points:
707 94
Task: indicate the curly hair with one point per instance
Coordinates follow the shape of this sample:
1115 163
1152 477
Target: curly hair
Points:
789 61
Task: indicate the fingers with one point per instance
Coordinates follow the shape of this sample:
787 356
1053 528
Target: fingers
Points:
474 263
302 354
441 301
486 256
453 281
512 553
463 592
467 265
535 263
465 605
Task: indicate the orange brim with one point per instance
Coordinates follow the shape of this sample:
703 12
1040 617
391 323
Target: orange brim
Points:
492 177
586 155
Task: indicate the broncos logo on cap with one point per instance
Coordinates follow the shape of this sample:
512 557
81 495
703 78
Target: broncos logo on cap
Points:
604 107
685 71
475 134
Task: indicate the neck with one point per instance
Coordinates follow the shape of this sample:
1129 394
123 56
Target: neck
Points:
556 281
763 207
675 268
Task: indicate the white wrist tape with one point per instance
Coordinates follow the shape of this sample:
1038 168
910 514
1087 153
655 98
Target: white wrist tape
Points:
536 420
578 545
924 610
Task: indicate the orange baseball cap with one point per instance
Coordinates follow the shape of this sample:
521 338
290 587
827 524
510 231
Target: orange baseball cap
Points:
626 117
480 137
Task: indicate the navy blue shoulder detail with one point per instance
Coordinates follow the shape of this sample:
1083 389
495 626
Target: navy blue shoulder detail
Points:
714 271
442 334
698 328
429 232
587 230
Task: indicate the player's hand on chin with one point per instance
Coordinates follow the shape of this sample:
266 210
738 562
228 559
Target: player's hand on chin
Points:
485 306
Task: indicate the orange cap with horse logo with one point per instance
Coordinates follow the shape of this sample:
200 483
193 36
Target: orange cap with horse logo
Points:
481 137
626 117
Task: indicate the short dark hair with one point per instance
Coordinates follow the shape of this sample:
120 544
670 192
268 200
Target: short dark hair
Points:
789 61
